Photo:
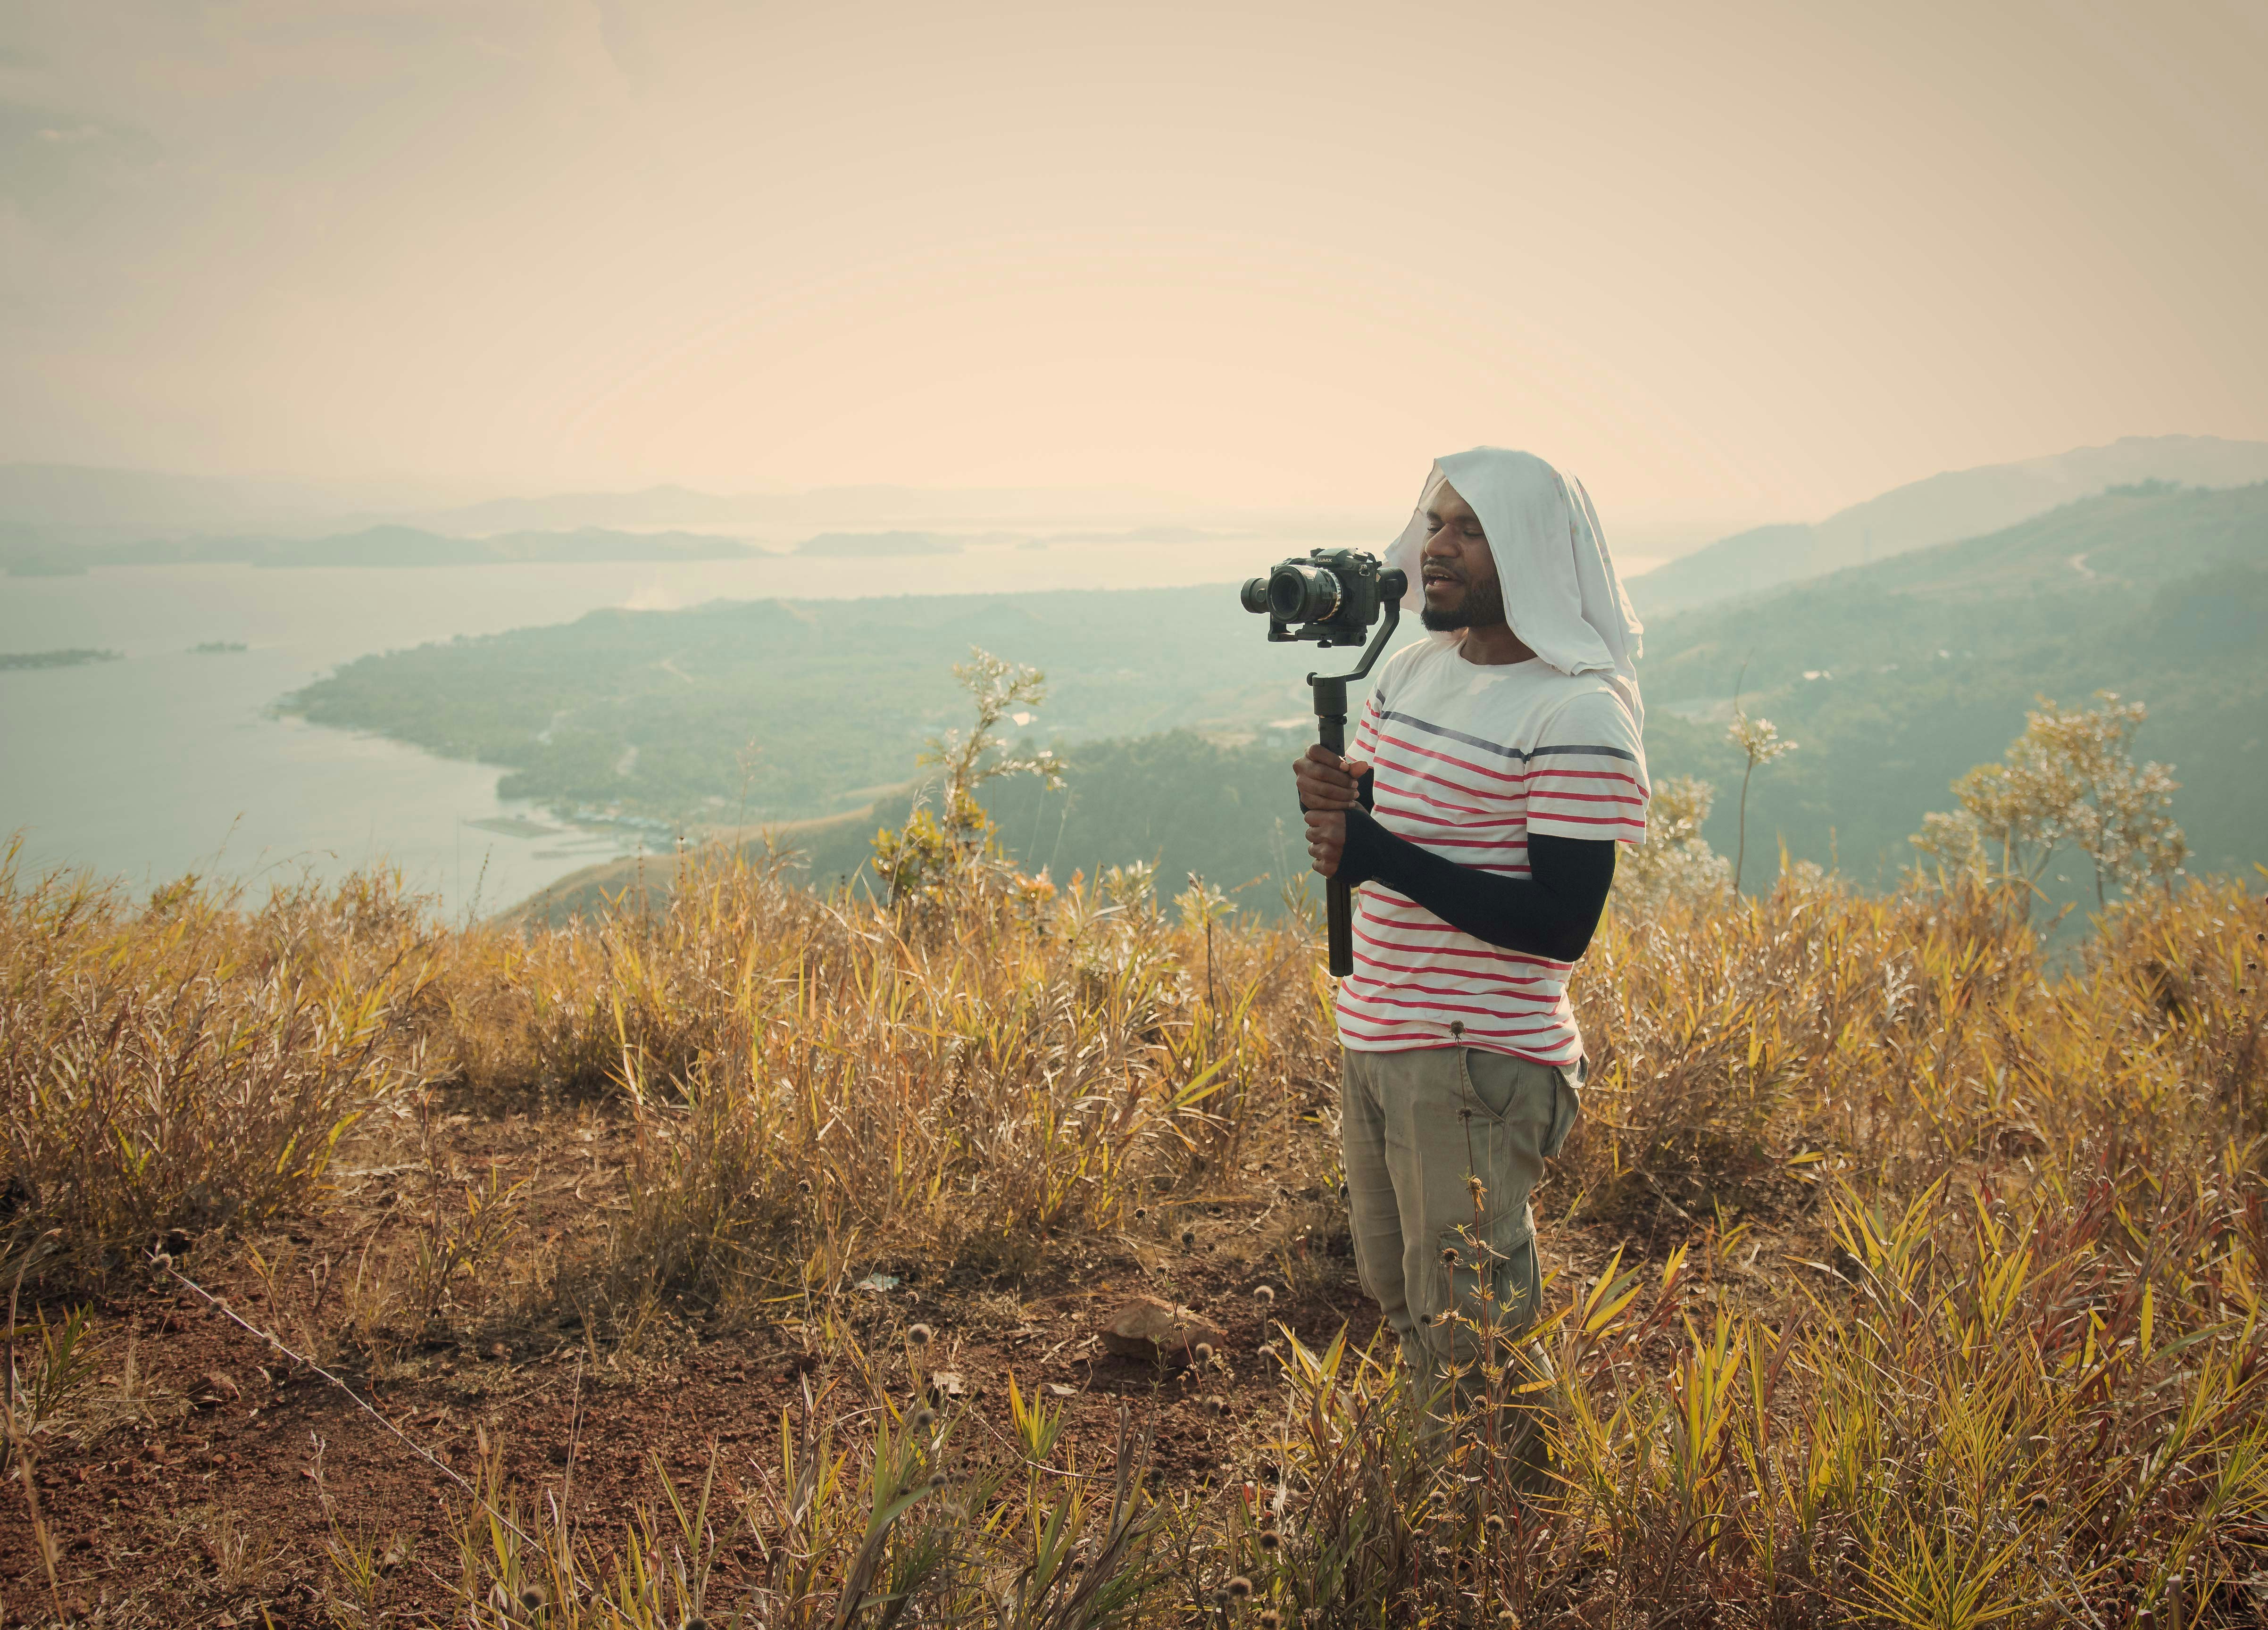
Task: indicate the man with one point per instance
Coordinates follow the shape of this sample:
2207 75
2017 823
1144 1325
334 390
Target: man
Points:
1496 766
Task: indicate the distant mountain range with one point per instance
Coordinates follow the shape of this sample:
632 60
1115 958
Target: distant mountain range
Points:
828 508
851 545
59 520
2043 579
1960 503
380 547
44 506
47 512
62 503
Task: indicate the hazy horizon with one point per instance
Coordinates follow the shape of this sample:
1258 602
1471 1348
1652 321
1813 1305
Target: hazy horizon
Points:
1748 268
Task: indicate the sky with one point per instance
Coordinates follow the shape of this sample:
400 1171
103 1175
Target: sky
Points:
1730 263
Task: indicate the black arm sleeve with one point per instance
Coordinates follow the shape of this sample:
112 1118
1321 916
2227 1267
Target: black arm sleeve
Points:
1552 912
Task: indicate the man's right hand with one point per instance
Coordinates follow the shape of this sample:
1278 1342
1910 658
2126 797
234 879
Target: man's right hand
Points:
1328 790
1327 781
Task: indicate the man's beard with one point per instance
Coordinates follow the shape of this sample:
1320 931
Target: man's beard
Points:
1480 608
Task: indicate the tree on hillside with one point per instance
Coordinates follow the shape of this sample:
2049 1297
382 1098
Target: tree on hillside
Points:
935 845
2069 780
1674 862
1759 739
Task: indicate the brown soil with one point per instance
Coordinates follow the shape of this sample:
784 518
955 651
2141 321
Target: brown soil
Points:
136 1513
212 1500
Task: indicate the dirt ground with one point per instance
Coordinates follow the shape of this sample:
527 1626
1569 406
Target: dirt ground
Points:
209 1492
221 1511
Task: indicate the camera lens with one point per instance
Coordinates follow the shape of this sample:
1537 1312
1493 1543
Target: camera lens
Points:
1256 594
1297 593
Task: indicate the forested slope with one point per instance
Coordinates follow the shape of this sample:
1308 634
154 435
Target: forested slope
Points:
1898 677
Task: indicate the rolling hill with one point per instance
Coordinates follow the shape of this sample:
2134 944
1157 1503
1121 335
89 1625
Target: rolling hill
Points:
1896 677
1959 503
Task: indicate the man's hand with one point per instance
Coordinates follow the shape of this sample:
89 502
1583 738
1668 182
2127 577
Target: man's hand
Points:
1327 790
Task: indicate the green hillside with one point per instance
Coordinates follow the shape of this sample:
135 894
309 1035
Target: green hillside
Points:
1944 507
768 710
1174 800
1895 678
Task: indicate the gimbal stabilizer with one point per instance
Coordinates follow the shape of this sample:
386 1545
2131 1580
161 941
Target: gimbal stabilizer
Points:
1332 597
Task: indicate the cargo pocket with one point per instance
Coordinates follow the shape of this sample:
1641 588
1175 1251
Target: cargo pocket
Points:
1510 1091
1566 1105
1492 1078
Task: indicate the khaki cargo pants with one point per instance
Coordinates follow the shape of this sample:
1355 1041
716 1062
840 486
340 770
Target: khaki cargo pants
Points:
1442 1146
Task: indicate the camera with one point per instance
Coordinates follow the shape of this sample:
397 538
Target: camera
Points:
1331 596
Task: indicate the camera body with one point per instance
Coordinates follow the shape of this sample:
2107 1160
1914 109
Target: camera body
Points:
1330 596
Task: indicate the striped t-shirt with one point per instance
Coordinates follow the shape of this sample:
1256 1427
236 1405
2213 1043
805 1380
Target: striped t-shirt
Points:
1469 759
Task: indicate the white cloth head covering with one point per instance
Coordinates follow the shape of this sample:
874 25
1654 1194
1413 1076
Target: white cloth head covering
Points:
1561 595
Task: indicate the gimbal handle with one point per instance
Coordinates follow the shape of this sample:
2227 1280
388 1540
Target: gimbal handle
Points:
1331 726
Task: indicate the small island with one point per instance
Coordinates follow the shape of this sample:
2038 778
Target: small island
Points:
870 545
46 565
71 658
218 648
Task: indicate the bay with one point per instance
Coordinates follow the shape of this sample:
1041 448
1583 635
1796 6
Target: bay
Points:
171 761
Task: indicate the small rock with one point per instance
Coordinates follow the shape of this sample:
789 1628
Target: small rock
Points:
1157 1332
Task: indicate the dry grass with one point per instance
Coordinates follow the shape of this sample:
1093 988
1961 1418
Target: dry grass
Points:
1938 1302
183 1063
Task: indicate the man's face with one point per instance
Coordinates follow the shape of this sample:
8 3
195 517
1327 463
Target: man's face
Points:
1456 568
